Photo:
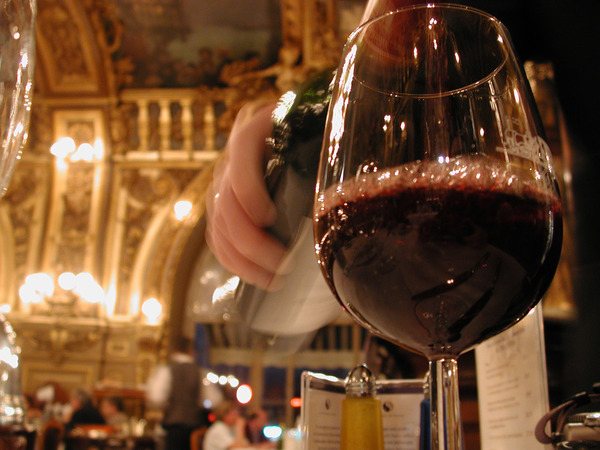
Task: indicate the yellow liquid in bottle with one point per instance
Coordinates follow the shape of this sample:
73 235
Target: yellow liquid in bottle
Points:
362 426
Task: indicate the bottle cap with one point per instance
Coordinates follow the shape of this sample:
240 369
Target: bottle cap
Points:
360 382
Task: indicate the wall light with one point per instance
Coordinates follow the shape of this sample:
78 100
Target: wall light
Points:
182 209
40 289
65 149
152 310
243 394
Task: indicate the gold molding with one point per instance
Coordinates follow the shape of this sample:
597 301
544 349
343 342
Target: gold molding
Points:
75 216
67 48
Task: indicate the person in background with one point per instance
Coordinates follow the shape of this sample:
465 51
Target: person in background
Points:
112 410
33 410
256 420
228 430
175 388
83 411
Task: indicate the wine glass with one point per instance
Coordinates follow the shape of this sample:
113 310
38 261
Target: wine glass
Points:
17 57
437 216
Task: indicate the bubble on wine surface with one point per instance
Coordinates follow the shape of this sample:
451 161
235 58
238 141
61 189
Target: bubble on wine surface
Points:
473 172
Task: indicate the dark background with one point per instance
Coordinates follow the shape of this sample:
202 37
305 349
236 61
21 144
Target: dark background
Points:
566 34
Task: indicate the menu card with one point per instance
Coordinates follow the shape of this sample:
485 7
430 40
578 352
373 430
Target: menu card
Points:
512 385
321 413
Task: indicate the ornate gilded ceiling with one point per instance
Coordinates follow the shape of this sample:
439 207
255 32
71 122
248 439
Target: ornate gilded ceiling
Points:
182 43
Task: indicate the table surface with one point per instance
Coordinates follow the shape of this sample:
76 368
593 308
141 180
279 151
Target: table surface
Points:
116 441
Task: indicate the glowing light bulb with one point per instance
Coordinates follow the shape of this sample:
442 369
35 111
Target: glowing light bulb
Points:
243 394
182 209
152 309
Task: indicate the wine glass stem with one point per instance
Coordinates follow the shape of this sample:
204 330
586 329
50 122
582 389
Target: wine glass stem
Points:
446 427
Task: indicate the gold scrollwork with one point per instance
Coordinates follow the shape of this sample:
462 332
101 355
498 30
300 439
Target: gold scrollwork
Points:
60 339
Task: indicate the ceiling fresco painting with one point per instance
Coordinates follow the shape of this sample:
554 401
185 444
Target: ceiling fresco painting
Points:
182 43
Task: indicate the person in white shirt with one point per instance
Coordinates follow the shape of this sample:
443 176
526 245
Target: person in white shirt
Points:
228 430
176 389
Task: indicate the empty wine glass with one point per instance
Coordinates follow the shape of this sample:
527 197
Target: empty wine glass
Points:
17 54
17 57
437 217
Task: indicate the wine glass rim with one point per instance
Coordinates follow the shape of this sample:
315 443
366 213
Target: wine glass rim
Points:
440 6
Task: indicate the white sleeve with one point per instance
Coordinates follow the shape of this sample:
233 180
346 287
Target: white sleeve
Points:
217 437
158 387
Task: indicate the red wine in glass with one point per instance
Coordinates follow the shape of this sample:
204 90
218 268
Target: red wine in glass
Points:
438 265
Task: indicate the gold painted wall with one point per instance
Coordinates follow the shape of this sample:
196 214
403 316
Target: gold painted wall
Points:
113 216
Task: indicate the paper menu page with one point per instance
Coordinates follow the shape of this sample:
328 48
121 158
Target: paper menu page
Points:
401 402
512 385
321 413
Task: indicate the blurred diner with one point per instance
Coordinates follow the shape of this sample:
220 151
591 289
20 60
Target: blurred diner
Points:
113 412
228 431
256 421
83 411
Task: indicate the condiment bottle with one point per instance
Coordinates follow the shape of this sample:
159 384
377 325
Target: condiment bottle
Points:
362 425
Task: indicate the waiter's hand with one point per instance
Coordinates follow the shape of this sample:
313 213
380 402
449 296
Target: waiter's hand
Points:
239 206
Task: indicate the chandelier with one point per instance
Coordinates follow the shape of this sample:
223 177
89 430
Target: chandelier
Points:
75 295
